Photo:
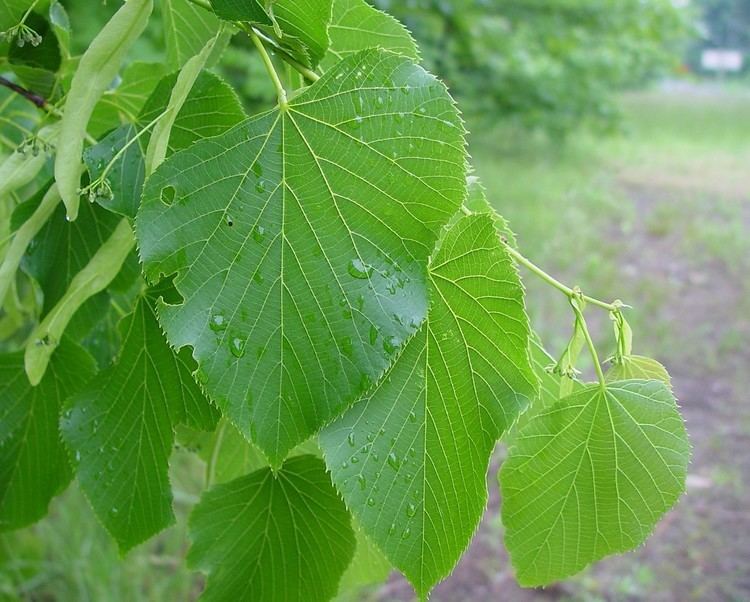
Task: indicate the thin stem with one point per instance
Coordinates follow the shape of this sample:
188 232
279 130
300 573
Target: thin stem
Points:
34 98
280 91
296 65
589 342
536 270
122 151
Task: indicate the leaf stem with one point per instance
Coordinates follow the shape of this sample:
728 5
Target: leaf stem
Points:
569 292
574 301
280 91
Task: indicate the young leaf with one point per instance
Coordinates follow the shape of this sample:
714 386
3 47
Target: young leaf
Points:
638 367
249 11
33 462
304 26
301 232
120 429
411 460
96 70
283 537
187 29
591 476
355 26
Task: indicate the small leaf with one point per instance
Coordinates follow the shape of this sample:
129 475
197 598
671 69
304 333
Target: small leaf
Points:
638 367
355 26
304 27
591 476
33 463
300 232
283 537
411 460
249 11
120 430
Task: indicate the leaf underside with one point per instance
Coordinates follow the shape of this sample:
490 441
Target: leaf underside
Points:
591 476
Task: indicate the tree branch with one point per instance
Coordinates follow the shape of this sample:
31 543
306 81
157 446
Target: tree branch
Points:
38 101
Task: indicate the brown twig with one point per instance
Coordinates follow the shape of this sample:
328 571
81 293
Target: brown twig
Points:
38 101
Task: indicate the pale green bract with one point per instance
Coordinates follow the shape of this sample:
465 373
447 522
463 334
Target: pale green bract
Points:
411 459
300 241
97 68
591 476
187 30
119 429
283 537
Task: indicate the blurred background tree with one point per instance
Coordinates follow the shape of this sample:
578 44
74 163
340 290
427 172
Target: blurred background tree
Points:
548 64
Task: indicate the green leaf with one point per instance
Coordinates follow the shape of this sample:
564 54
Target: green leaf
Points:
37 66
120 430
124 183
355 26
33 463
304 27
11 12
368 567
411 460
250 11
211 108
476 201
299 234
638 367
268 536
187 29
592 476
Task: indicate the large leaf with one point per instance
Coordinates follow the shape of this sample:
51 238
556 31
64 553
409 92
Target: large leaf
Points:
300 241
33 462
411 460
120 429
274 537
591 476
187 29
355 26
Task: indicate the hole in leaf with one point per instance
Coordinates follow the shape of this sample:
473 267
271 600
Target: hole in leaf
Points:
168 195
